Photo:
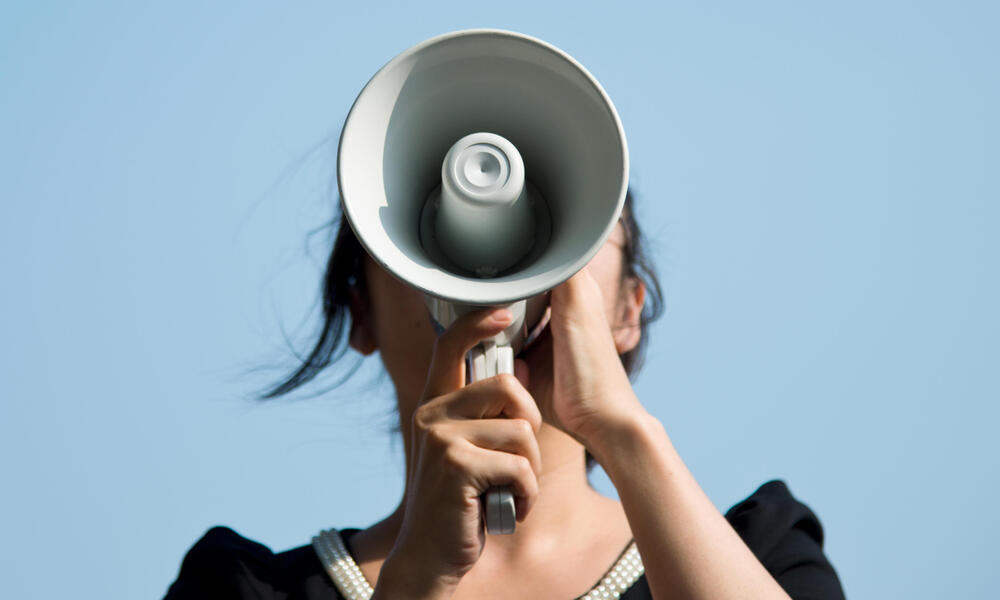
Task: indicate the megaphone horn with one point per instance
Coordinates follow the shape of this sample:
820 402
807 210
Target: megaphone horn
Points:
484 168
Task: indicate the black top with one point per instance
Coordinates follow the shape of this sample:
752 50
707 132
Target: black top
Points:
781 531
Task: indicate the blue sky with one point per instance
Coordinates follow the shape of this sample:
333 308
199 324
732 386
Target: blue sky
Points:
818 180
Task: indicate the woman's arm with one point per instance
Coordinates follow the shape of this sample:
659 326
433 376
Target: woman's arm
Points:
687 546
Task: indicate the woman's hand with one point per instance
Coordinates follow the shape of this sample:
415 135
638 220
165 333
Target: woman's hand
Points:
465 439
590 388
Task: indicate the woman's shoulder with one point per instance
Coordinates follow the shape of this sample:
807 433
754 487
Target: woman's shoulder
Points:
787 538
224 564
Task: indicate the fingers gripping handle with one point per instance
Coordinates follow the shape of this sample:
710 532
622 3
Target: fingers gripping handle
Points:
489 359
486 360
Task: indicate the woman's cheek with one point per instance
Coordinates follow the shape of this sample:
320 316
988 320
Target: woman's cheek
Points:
412 344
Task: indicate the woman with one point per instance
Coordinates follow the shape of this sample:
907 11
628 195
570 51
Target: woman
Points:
570 402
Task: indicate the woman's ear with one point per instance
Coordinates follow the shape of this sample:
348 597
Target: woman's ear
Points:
629 329
362 336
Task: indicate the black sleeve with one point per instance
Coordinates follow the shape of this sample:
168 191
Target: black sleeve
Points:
787 538
223 565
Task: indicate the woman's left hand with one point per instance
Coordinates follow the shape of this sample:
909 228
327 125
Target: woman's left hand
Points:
590 390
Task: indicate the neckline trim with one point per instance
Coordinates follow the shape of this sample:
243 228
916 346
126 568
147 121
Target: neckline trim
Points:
346 575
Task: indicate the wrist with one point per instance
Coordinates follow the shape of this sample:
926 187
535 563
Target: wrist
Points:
402 578
609 413
624 438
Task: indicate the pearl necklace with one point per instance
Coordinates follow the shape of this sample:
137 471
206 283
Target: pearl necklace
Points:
339 564
352 585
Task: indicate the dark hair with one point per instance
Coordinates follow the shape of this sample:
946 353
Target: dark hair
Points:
345 275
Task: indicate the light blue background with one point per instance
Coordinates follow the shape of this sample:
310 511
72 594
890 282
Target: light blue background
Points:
819 179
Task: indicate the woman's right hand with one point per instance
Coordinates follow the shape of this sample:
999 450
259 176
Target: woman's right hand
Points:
464 439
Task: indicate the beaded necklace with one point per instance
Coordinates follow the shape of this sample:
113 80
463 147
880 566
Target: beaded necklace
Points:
352 585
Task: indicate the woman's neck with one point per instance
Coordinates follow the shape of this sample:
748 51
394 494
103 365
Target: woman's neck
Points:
566 503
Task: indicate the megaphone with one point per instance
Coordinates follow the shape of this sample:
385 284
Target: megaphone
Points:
484 168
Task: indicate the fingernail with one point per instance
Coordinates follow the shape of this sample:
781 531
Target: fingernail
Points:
502 315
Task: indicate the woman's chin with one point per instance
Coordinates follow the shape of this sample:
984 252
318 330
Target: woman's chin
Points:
537 361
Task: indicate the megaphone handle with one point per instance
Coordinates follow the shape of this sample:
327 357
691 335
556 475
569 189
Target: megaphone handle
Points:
486 360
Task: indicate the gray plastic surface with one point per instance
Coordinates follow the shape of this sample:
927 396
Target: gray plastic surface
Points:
501 516
529 92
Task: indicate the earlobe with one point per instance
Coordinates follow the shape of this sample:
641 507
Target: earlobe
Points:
629 331
362 336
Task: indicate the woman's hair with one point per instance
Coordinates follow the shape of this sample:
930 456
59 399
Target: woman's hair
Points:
345 275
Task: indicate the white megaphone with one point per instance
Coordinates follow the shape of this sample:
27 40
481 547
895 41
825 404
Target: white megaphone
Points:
483 168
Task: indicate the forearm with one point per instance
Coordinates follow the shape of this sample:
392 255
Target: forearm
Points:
687 546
